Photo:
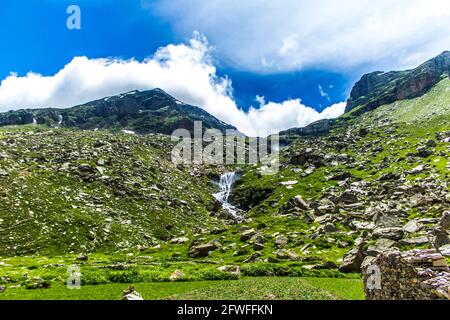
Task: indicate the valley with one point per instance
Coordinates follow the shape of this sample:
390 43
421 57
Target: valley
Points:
84 192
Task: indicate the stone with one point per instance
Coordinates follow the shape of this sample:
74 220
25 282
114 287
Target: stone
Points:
414 241
412 226
299 202
179 240
131 294
258 246
353 259
380 246
247 234
83 257
440 239
176 275
388 233
445 250
445 220
2 289
287 255
253 257
232 269
348 197
204 249
330 228
280 241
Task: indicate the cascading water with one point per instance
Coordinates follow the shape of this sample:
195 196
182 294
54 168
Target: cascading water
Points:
225 185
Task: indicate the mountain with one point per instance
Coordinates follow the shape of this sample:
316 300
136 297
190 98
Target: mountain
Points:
346 190
378 88
381 88
152 111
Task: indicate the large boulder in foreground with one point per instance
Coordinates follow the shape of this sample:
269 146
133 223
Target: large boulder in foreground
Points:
412 275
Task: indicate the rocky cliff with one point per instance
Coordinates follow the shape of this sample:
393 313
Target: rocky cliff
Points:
379 88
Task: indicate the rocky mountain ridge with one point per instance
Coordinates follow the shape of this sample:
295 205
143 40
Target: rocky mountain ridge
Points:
143 112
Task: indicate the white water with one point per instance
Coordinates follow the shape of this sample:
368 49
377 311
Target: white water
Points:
225 185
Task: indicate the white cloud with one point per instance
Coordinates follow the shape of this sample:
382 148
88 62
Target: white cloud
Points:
185 71
284 35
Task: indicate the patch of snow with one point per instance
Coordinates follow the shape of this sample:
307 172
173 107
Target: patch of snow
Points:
128 132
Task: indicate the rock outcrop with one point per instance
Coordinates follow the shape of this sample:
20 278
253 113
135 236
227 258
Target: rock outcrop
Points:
412 275
379 88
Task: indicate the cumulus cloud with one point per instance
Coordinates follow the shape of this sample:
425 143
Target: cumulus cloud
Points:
285 35
185 71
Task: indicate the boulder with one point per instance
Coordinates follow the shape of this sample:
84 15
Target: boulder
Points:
287 255
179 240
176 275
234 270
445 220
353 259
380 246
204 249
253 257
412 226
247 234
440 239
280 241
131 294
83 257
395 233
348 197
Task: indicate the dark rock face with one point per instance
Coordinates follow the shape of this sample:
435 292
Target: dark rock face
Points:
152 111
379 88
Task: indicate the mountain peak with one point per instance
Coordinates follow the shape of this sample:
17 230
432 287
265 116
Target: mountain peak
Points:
151 111
378 88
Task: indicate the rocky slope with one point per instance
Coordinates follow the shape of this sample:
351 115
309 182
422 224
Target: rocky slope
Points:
144 112
374 182
63 190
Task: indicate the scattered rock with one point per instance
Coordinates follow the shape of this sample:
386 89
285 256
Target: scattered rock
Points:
353 259
287 255
388 233
234 270
176 275
445 220
247 235
131 294
204 250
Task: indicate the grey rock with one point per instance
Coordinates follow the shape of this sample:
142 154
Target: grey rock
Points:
247 234
388 233
445 220
353 259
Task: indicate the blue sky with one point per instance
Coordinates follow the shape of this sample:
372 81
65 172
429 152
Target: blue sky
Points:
281 50
38 41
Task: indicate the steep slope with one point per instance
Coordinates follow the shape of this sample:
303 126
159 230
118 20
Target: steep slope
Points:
144 112
379 88
380 181
63 190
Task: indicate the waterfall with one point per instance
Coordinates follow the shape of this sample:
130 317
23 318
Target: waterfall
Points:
225 185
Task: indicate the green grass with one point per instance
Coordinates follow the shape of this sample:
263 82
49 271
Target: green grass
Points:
262 288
